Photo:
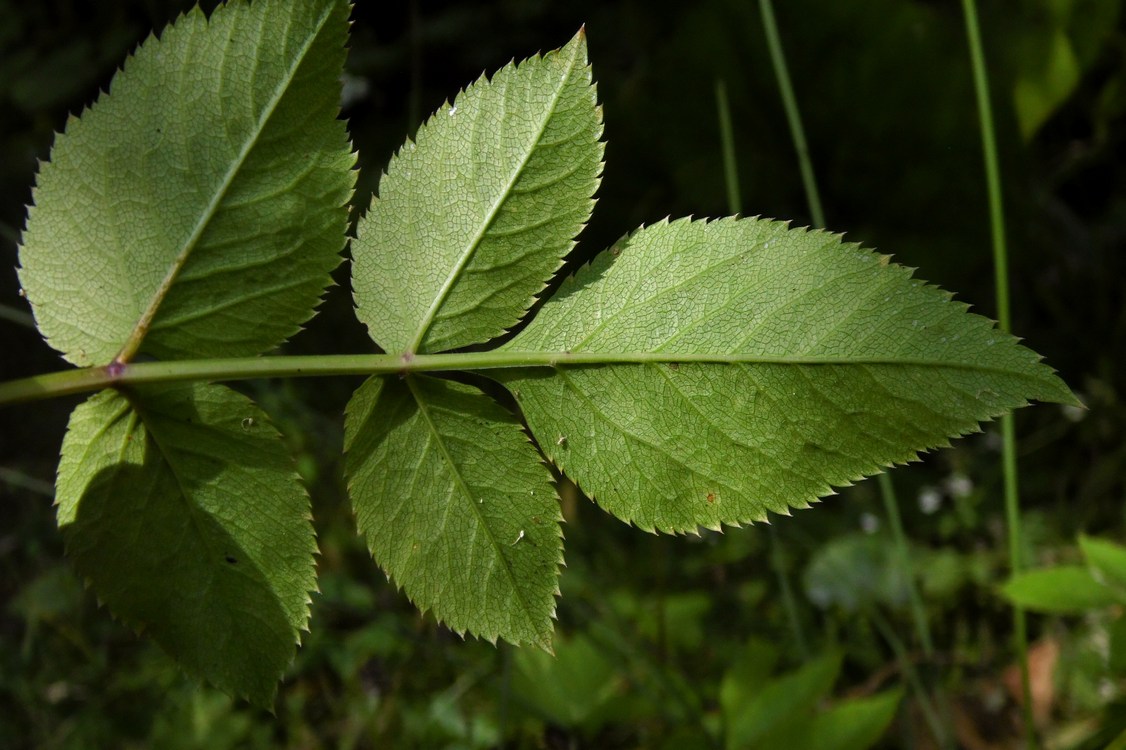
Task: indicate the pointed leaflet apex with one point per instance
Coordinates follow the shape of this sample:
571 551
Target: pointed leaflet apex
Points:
198 208
794 364
477 213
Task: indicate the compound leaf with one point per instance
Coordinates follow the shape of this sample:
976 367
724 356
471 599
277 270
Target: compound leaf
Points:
736 367
212 557
197 209
474 217
456 505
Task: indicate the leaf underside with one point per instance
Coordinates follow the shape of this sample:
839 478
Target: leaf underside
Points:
793 364
197 209
456 505
212 557
476 215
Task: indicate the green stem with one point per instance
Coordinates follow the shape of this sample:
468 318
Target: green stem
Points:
891 507
727 144
930 715
1001 280
793 116
903 552
788 600
120 374
992 170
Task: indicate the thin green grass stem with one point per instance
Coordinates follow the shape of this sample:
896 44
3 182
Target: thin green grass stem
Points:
727 144
891 507
907 667
793 116
788 600
918 613
1001 279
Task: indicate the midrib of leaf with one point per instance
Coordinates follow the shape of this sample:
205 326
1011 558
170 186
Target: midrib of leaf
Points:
424 410
85 380
471 249
104 428
133 343
193 512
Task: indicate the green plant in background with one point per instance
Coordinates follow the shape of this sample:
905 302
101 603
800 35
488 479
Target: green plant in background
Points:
1073 589
580 688
697 374
1076 589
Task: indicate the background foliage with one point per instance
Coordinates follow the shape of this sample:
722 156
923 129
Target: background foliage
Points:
656 633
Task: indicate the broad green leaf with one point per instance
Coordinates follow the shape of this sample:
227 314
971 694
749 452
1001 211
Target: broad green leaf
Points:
197 209
1066 589
475 216
851 725
1107 561
456 505
212 557
785 700
736 367
748 673
577 686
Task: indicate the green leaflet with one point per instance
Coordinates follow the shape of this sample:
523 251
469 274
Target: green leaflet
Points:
456 505
474 217
211 556
787 364
784 701
853 724
1065 589
198 208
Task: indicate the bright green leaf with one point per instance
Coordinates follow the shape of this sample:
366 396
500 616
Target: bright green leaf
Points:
197 209
212 557
456 505
474 217
1067 589
1107 561
749 367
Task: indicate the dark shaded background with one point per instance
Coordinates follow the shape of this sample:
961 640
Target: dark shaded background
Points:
886 95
